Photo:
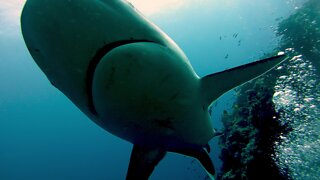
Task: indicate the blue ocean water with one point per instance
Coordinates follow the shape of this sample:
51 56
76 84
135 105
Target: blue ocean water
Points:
44 136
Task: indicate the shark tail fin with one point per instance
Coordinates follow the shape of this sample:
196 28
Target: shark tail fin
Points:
143 161
202 156
215 85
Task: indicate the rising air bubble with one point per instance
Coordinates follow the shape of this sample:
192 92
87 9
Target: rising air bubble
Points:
297 95
280 67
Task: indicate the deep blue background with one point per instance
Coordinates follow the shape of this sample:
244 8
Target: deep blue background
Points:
44 136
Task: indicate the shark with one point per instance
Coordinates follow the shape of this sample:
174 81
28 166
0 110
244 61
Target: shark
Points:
129 77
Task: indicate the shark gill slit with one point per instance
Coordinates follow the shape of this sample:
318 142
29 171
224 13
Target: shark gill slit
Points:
95 61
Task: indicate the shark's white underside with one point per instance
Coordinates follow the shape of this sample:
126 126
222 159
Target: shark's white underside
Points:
129 77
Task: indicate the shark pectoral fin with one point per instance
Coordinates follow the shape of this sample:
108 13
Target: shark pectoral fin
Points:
215 85
201 155
143 161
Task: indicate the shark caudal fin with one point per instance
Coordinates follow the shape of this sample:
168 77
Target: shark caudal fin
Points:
143 160
215 85
201 154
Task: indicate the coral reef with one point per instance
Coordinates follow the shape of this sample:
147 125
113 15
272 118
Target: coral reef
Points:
250 132
253 127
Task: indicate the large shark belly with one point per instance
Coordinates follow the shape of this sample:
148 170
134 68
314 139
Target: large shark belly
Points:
148 94
65 37
129 77
70 46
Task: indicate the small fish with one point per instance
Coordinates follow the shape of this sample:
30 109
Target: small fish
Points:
235 35
227 56
210 111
